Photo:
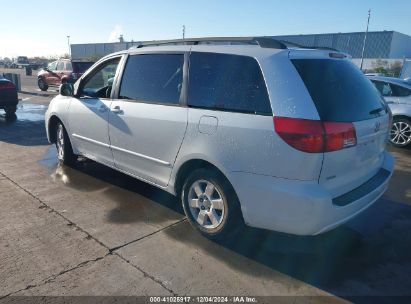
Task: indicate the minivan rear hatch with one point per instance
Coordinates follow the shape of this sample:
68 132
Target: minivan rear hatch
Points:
341 93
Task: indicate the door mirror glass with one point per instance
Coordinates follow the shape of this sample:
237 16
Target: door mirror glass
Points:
66 89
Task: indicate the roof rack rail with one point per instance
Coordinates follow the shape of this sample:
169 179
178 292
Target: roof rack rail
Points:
293 44
325 48
264 42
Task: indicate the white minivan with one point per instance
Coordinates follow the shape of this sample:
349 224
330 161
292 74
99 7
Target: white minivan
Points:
243 130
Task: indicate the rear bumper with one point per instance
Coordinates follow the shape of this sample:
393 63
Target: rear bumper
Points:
302 207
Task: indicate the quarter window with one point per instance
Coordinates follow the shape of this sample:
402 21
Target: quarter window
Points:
155 78
228 83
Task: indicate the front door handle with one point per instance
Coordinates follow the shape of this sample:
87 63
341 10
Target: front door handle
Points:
117 110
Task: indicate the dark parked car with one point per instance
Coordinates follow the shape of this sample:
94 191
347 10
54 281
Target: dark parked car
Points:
8 97
20 62
63 69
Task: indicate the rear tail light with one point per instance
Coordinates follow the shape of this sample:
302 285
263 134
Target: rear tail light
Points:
339 135
315 136
7 85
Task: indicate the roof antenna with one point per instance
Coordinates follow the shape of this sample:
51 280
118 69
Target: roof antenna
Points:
184 31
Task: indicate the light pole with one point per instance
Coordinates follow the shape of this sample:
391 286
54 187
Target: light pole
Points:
184 31
68 43
365 39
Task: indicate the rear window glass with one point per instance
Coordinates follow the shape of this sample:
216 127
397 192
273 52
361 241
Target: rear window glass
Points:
228 83
340 91
81 67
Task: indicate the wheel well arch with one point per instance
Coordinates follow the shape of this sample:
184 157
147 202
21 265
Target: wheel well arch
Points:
401 116
190 166
52 125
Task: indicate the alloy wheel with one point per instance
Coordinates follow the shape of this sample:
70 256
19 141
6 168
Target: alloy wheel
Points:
60 142
400 133
206 204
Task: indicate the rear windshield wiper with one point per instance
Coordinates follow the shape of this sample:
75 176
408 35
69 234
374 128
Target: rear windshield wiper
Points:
376 111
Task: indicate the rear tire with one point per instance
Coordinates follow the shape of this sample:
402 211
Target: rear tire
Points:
211 205
10 111
42 84
65 153
400 135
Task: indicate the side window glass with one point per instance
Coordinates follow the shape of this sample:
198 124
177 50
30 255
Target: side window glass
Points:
155 78
60 66
399 91
228 83
386 89
378 85
69 67
100 83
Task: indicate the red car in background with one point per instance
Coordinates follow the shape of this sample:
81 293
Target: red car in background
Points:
8 97
71 70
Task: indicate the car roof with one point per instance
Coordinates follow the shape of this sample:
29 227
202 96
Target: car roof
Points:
392 80
247 46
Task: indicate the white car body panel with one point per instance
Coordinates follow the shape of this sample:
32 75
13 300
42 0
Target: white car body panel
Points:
364 160
279 187
145 138
88 128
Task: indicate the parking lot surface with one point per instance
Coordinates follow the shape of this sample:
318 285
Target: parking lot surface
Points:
89 230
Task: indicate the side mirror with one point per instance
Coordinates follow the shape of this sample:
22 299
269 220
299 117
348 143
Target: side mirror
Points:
66 89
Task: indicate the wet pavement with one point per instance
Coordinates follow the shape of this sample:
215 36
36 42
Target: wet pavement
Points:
26 128
118 233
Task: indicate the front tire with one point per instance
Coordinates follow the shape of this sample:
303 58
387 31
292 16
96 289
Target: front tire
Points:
42 84
211 205
400 135
65 153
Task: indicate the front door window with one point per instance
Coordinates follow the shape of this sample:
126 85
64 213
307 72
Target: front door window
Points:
100 83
